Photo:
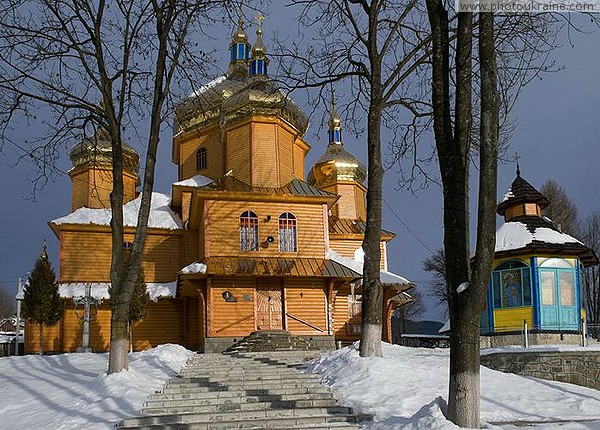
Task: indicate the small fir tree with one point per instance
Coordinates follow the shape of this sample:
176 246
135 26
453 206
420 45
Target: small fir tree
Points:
41 302
139 300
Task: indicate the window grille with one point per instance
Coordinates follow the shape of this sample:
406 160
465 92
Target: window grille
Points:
201 159
288 233
248 231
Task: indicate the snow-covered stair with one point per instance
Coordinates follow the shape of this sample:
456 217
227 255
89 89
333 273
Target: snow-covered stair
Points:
252 390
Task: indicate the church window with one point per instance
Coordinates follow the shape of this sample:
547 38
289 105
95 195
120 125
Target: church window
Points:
248 231
201 161
557 281
511 285
288 233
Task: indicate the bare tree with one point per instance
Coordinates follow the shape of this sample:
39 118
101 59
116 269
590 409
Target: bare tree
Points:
7 303
590 235
62 58
367 52
561 210
435 264
467 284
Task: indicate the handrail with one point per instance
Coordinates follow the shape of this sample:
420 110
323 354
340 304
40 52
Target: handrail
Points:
235 323
303 322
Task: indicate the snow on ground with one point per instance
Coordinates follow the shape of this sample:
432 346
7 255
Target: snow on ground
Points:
72 391
408 388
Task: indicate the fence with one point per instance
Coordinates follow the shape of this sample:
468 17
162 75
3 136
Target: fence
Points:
8 349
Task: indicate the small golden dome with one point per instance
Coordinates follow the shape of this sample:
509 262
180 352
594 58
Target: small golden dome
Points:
336 165
97 152
334 118
259 50
239 35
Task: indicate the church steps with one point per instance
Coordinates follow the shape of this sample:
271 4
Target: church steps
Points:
237 397
195 394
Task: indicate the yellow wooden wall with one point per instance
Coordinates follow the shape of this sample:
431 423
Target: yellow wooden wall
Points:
265 160
91 188
341 319
230 319
214 156
511 319
346 248
238 153
286 156
299 155
85 256
305 300
221 236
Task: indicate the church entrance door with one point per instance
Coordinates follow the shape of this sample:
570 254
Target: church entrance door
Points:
269 307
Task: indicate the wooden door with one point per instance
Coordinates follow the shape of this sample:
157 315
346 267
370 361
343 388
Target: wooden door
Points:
269 308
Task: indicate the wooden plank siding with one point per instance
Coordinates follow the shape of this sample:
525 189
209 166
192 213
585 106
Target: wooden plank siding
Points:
347 247
511 319
286 156
214 156
222 237
305 300
342 319
265 172
86 256
237 153
80 190
299 155
229 319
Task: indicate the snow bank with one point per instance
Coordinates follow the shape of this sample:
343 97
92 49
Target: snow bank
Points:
72 391
515 235
195 181
100 290
161 215
408 389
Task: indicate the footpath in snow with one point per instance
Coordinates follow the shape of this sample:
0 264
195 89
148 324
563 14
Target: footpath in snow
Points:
406 389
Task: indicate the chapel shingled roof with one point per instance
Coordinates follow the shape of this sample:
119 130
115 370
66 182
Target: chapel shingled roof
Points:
348 226
521 191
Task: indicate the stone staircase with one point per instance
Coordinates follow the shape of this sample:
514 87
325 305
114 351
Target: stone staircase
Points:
246 390
271 340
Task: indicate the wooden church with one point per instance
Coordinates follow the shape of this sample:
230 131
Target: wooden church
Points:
244 243
537 275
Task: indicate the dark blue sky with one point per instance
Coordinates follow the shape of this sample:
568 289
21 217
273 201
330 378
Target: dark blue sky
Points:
557 135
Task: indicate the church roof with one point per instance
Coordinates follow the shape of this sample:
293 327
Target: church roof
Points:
521 191
349 226
232 98
161 215
535 235
98 149
295 187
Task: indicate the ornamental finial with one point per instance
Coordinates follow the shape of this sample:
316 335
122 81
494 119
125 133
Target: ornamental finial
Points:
260 18
516 158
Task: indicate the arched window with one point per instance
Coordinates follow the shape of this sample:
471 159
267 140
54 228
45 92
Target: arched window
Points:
288 233
511 285
201 159
248 231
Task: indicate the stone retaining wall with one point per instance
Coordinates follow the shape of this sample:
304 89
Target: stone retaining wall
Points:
576 367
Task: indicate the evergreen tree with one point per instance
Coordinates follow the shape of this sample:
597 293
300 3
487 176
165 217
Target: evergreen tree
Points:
41 302
139 300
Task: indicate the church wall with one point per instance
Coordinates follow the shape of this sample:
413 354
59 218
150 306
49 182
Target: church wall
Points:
238 153
286 156
265 163
347 247
227 319
305 300
299 155
80 190
85 256
346 205
343 323
511 319
360 199
222 228
214 153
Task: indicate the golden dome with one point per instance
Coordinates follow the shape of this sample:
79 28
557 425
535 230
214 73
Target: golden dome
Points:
336 165
239 35
97 151
259 49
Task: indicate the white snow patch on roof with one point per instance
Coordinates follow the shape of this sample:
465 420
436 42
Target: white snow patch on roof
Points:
161 215
100 290
207 86
515 235
193 268
195 181
508 195
445 328
357 266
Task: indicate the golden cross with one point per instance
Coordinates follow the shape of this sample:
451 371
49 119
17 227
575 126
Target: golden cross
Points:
260 18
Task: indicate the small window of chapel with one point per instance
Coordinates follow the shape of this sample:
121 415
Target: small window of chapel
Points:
288 233
201 162
248 231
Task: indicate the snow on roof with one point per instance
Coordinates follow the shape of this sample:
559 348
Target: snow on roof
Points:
508 195
357 266
100 290
445 328
196 181
515 235
207 86
161 215
193 268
